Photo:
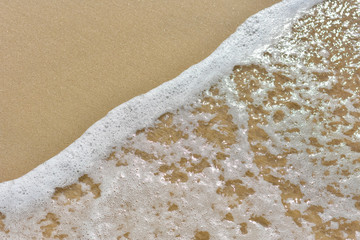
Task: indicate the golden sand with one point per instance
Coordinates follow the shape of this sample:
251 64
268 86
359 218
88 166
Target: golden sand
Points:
273 168
65 64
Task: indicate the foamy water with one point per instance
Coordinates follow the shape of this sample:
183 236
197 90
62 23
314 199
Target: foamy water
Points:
259 141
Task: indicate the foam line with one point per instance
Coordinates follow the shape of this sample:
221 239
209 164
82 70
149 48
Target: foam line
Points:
36 187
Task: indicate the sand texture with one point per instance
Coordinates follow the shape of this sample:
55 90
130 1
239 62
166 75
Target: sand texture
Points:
290 171
65 64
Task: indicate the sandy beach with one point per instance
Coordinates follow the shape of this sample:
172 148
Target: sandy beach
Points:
261 140
65 64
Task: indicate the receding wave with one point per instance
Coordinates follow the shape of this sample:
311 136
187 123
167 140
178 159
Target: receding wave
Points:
259 141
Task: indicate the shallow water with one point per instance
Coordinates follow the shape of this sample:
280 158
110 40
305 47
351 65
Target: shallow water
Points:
271 151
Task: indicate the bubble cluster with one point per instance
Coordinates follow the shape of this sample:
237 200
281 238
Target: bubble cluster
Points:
270 150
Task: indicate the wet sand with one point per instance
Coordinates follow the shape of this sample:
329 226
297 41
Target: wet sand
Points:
65 64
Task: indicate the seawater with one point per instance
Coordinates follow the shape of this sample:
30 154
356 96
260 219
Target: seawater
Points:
261 140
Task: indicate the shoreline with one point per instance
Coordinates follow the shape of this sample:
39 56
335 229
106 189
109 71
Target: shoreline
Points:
64 75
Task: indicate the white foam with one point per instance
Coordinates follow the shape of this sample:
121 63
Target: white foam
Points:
36 188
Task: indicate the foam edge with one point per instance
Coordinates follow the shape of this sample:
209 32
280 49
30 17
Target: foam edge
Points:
36 187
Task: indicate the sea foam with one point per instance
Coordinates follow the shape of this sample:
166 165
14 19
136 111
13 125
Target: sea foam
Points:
65 168
125 176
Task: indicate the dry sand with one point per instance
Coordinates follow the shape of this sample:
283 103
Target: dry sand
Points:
65 64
